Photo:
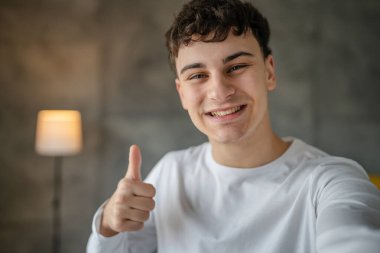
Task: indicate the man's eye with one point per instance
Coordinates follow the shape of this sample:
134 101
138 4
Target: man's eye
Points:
236 67
197 76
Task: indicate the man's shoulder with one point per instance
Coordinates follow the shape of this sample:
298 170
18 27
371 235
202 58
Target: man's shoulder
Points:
325 161
337 168
321 164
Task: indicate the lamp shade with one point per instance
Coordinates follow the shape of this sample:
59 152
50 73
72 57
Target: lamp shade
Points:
58 132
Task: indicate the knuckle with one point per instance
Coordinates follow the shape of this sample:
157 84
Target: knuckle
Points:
128 200
139 215
133 225
142 216
145 216
152 204
123 199
152 190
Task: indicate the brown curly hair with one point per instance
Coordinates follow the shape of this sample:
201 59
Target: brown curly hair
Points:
203 17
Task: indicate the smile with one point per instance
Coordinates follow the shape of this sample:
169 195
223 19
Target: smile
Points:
222 113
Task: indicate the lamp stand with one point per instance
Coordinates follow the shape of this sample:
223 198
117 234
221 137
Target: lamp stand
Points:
57 204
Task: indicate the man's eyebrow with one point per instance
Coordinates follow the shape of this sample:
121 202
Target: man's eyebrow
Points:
236 55
192 66
225 60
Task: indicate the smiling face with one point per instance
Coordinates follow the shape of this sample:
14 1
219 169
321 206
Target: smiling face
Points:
224 85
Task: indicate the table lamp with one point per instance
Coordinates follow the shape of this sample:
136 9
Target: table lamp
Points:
58 134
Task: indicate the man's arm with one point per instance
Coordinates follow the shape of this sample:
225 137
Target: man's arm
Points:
348 211
126 211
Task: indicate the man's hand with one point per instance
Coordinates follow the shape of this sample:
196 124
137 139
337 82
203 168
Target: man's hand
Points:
129 206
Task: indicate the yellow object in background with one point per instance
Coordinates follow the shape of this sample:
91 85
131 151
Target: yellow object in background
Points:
375 179
58 132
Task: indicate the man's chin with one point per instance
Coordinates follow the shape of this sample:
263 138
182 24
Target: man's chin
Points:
226 139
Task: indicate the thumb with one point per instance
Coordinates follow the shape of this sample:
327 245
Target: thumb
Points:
134 166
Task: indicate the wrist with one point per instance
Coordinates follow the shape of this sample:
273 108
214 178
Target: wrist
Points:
104 228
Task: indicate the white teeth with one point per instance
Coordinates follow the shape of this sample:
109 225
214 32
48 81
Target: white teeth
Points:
226 112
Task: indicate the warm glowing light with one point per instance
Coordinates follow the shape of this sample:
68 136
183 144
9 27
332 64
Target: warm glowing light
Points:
58 133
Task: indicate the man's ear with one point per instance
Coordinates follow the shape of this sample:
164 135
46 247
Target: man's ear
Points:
179 87
270 73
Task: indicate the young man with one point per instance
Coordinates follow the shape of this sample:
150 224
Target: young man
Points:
246 190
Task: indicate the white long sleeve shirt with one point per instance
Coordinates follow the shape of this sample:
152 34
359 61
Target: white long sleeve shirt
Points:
303 202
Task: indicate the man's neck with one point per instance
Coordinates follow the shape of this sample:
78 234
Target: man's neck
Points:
251 153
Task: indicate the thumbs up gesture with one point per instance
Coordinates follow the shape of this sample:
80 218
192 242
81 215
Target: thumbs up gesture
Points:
131 203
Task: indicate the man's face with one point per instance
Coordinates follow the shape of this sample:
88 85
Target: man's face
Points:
224 85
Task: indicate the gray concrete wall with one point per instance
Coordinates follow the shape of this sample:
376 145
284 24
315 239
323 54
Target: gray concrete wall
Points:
107 59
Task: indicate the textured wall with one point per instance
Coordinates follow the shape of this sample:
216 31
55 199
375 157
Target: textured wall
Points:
107 59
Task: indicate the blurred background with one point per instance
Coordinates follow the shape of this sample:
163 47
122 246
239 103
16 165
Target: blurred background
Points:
107 59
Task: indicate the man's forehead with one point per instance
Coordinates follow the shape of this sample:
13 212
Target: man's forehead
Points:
200 47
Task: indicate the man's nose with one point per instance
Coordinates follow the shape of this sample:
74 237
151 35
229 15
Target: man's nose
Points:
220 88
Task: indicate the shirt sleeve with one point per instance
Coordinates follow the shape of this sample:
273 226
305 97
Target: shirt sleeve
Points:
100 243
347 209
142 241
